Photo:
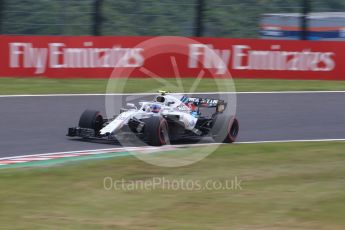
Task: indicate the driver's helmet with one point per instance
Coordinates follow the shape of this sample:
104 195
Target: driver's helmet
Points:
160 99
155 108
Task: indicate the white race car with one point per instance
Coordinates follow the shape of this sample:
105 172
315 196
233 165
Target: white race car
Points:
168 117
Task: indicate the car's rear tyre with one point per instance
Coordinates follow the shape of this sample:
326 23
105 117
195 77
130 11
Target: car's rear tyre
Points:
233 129
156 131
225 129
91 119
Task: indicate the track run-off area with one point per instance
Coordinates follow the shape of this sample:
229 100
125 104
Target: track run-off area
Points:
35 126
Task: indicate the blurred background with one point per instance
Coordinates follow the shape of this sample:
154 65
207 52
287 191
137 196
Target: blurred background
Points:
217 18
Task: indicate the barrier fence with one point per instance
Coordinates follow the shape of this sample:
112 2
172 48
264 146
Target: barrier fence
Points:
216 18
98 57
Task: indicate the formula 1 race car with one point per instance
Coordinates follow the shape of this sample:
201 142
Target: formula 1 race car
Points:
168 117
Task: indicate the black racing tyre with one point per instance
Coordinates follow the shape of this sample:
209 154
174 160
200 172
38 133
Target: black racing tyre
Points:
91 119
225 128
233 129
156 131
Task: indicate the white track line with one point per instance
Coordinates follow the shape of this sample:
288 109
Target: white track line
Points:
289 141
123 149
127 149
54 153
76 151
144 94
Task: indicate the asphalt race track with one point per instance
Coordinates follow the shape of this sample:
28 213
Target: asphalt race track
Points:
33 125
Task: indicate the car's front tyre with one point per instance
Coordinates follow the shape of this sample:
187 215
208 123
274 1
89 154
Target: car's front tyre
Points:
91 119
156 131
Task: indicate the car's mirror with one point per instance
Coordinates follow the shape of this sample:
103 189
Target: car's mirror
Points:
123 110
131 105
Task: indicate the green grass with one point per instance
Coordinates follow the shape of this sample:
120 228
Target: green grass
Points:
284 186
46 85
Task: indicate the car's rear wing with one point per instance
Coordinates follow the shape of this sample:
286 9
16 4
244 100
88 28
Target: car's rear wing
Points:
205 102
